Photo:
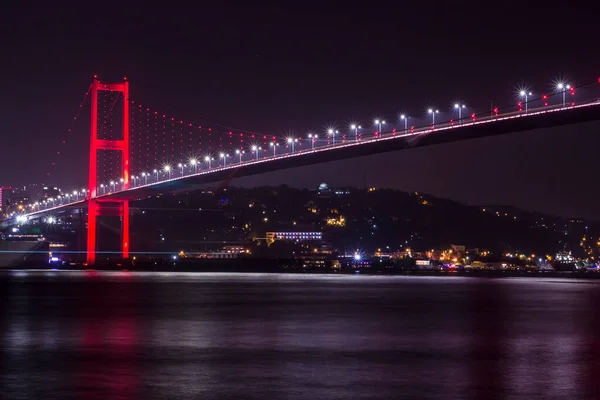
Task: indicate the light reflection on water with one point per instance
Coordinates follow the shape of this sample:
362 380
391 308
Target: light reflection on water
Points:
105 335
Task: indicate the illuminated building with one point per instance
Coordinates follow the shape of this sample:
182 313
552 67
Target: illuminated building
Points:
294 236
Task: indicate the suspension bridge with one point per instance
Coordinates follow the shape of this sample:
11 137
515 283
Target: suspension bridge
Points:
136 151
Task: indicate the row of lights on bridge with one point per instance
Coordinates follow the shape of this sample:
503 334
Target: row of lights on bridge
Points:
525 94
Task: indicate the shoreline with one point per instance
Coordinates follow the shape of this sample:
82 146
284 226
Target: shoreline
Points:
288 271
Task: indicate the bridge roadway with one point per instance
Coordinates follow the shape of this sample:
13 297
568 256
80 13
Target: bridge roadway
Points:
544 117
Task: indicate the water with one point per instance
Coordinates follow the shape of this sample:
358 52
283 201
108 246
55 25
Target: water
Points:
211 336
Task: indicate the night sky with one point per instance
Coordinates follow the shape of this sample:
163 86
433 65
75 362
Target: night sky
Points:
294 68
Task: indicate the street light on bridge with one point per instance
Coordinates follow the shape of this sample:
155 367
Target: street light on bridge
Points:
525 94
562 87
112 183
180 165
156 172
224 157
291 142
459 107
207 159
379 122
404 117
433 112
239 152
194 164
255 149
313 139
274 146
145 176
332 133
355 128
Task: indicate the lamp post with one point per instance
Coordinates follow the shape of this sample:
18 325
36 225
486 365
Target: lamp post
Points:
355 128
379 122
112 183
255 150
332 133
291 142
167 169
208 159
239 152
145 176
156 172
561 87
459 107
405 118
313 139
433 112
274 146
224 157
180 165
525 94
194 164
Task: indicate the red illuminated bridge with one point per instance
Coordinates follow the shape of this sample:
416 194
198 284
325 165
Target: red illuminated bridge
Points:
136 152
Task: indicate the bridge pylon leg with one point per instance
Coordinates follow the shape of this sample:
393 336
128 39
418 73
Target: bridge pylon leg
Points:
98 209
125 229
91 232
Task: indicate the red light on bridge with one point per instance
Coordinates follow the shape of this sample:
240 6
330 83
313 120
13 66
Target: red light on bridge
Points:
473 117
496 111
393 132
451 122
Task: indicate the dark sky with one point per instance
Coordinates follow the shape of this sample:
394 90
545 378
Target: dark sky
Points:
295 67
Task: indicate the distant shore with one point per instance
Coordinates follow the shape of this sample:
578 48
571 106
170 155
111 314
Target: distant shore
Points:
280 266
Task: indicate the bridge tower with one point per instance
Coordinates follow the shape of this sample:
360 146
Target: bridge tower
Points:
97 206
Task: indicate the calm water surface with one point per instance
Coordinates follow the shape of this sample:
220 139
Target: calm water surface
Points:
212 336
